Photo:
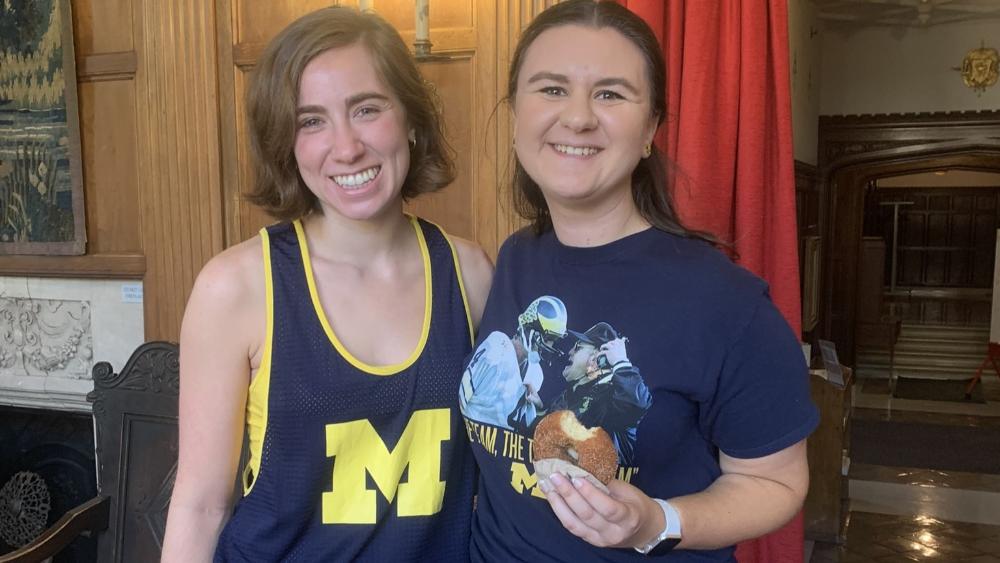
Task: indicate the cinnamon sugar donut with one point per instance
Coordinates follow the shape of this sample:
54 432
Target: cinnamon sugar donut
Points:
561 436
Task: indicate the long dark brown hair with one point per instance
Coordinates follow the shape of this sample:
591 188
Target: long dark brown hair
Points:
651 189
273 96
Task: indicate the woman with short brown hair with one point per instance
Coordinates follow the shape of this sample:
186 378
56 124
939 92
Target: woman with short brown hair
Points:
334 338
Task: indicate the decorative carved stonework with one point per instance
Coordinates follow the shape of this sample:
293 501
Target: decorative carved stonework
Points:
45 337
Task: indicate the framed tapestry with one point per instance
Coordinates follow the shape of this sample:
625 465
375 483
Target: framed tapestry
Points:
41 183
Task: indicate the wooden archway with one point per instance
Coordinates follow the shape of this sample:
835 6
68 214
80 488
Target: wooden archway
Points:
857 150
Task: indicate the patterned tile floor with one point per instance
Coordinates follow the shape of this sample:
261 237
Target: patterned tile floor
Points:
896 511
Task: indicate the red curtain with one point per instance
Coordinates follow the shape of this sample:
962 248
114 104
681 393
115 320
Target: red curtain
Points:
729 131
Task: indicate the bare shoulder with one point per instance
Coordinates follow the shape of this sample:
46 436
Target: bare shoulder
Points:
477 274
473 258
232 272
229 292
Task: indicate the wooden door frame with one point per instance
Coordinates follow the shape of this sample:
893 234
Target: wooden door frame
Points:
855 150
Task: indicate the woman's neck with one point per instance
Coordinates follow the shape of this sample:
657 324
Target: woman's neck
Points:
595 225
360 243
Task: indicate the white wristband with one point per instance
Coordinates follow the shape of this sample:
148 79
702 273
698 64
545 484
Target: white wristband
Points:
671 528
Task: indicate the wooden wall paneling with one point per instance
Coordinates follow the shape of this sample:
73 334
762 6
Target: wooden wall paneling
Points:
228 136
106 66
445 14
242 219
252 218
99 266
511 19
258 22
102 26
452 207
453 75
178 138
107 115
485 156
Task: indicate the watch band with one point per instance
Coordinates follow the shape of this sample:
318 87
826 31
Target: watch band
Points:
671 534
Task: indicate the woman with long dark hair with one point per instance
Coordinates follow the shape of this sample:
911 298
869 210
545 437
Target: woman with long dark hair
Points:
676 352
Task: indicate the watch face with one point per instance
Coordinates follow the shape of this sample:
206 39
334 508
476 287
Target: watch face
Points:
665 546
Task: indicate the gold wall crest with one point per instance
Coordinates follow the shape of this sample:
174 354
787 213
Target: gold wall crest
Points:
980 68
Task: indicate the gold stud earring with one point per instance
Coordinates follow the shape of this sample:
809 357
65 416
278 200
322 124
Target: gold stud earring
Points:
647 150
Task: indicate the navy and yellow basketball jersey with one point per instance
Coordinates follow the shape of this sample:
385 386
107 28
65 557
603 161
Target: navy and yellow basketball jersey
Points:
352 462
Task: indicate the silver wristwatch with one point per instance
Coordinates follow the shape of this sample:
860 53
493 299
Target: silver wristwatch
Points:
671 534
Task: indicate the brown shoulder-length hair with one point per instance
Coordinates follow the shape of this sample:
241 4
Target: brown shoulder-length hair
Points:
651 188
272 100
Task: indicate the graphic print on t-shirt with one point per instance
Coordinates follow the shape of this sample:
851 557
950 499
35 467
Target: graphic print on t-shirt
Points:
512 381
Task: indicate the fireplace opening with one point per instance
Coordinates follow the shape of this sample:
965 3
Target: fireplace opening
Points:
47 466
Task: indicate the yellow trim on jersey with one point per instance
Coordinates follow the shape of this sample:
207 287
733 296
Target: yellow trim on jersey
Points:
374 370
461 284
258 394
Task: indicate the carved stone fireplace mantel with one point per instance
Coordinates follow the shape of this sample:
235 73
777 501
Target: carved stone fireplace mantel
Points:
46 352
52 332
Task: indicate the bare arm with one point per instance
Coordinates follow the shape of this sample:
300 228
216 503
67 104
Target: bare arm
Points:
751 498
477 276
217 344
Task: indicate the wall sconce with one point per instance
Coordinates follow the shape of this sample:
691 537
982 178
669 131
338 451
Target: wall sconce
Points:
422 39
980 68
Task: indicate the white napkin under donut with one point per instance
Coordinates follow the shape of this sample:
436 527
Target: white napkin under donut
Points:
544 468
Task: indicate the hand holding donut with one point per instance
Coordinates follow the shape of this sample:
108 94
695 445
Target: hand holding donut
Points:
625 517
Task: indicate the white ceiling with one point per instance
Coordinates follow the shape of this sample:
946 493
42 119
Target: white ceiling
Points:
907 13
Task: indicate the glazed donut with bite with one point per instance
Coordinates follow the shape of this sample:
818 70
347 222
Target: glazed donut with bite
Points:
563 445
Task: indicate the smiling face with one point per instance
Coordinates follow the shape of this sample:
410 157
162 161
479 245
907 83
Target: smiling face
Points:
582 115
351 143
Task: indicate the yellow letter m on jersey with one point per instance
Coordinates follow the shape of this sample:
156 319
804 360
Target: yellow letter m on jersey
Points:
359 449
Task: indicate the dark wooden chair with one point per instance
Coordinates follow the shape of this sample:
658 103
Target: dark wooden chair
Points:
135 417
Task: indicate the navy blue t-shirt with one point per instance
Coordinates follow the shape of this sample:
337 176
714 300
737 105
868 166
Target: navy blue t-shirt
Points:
711 365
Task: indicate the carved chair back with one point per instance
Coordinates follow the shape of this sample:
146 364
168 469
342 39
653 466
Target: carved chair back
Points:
135 415
135 421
